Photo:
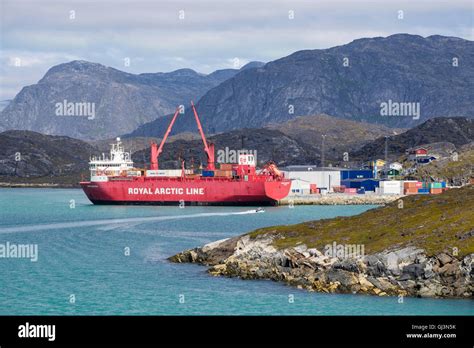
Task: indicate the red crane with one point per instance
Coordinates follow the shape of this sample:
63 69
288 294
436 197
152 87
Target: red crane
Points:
208 148
156 152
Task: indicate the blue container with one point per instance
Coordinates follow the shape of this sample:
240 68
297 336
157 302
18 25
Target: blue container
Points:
443 184
361 191
424 191
208 173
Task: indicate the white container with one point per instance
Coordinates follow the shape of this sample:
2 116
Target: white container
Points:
99 178
134 173
166 172
394 187
174 172
156 173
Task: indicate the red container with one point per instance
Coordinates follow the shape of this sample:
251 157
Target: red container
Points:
339 189
226 166
411 191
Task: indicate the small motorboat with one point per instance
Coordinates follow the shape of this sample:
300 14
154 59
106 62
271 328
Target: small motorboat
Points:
260 210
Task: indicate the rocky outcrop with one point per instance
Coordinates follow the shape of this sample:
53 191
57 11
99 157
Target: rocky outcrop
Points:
406 271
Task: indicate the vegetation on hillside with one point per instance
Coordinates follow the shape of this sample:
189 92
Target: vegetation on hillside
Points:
432 222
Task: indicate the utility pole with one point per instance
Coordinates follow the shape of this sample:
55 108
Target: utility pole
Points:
386 149
323 150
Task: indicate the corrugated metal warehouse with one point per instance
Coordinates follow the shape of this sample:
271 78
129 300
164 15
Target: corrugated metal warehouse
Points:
326 177
356 174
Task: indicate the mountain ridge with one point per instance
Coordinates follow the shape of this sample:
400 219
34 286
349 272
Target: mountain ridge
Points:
114 94
435 72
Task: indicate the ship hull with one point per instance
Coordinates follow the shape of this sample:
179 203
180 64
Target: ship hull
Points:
173 191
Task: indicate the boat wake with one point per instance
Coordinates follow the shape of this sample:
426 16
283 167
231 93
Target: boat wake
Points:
108 223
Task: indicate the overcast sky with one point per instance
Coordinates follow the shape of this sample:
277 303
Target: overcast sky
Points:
212 34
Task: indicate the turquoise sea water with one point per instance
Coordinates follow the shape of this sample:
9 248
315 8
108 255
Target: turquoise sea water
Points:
81 252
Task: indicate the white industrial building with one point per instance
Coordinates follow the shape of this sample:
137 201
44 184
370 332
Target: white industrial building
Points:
300 187
303 176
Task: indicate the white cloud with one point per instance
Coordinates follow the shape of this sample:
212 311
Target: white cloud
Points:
213 32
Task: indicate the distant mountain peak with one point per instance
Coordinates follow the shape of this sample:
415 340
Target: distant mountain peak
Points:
252 65
185 72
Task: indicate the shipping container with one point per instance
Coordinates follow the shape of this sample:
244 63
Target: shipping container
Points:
223 173
424 191
411 191
436 185
338 189
134 173
207 173
350 191
391 187
155 173
226 166
436 191
411 184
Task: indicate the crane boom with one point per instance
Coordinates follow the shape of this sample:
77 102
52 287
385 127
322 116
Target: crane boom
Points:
209 149
155 153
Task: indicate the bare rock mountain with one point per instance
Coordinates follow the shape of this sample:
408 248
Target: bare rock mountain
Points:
117 102
349 81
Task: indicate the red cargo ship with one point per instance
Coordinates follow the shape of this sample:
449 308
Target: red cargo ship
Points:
114 180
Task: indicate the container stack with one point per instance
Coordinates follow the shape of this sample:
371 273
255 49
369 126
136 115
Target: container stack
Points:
411 187
436 188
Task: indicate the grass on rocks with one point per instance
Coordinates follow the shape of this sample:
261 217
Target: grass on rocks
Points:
434 223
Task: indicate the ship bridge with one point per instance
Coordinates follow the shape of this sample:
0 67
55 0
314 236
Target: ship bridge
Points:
119 162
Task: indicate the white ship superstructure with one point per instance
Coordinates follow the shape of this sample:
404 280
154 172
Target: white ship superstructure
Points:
118 163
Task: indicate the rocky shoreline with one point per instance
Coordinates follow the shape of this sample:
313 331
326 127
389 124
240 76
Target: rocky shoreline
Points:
405 271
